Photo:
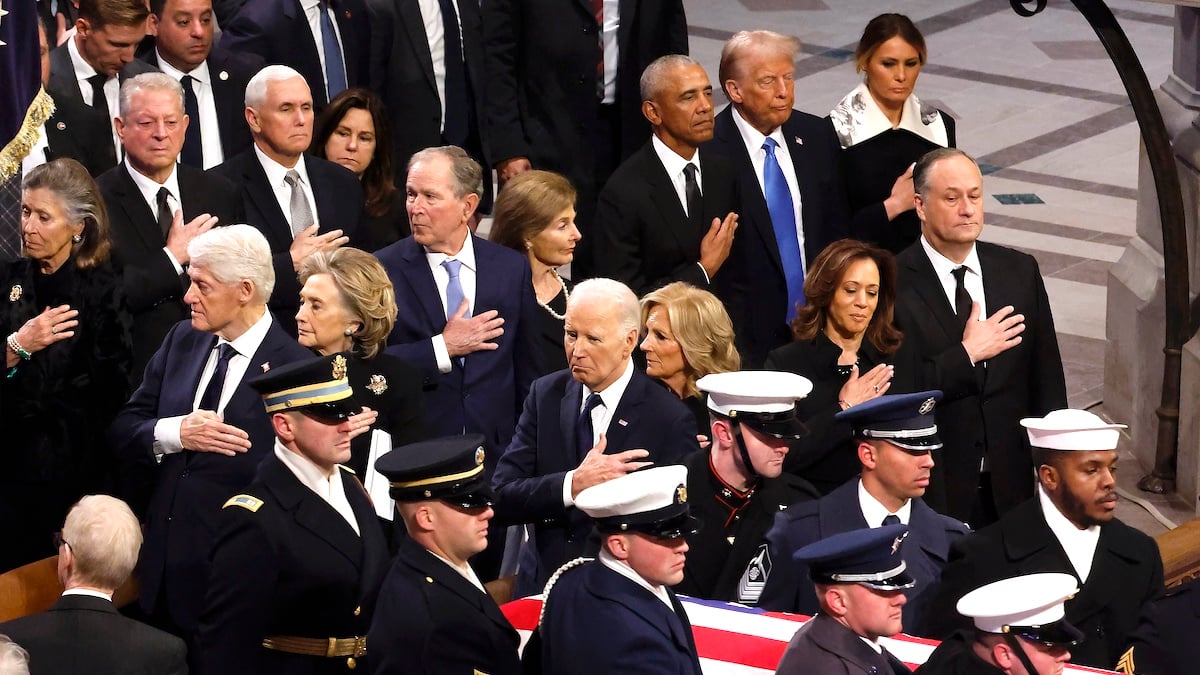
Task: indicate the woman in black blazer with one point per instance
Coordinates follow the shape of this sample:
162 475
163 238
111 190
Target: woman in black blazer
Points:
883 129
847 345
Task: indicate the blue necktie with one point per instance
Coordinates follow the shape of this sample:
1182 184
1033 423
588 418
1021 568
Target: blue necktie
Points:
454 291
456 126
193 145
211 398
890 519
783 221
583 429
335 67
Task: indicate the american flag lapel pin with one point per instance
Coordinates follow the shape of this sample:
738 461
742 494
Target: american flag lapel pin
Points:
266 366
623 423
799 141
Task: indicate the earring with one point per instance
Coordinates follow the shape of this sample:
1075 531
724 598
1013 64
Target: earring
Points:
348 332
528 245
77 238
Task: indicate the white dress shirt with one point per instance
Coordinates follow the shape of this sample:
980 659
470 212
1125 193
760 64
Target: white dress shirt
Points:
276 175
601 416
609 29
312 12
210 131
167 429
37 154
88 592
329 488
943 267
441 278
1080 545
626 571
112 90
431 16
149 190
465 571
754 140
874 512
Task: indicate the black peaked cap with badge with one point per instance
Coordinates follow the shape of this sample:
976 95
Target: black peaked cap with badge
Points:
317 387
449 468
869 556
904 420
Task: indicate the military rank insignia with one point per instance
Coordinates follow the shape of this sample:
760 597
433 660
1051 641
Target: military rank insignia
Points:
754 579
251 504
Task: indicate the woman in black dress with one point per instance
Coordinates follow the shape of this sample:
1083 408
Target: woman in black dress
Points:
847 345
348 306
68 355
535 215
883 129
353 131
687 335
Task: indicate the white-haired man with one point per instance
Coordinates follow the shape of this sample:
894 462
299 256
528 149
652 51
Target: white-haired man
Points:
83 631
599 419
157 206
195 418
301 204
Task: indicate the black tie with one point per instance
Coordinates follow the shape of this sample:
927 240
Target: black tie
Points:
456 127
583 429
193 145
962 299
691 189
891 519
164 211
211 400
98 101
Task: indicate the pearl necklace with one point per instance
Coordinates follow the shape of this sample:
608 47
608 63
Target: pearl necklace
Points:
566 296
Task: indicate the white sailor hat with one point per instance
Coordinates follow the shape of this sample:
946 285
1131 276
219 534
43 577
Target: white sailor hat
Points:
763 400
1030 606
653 501
1070 429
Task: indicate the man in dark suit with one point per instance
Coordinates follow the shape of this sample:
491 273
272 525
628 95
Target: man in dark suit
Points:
567 99
666 214
993 372
429 72
301 204
296 565
88 69
791 201
1068 527
213 79
196 420
470 326
618 614
156 207
597 420
83 632
739 484
326 41
896 439
433 614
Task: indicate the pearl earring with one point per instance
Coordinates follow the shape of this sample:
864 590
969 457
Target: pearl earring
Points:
77 238
349 332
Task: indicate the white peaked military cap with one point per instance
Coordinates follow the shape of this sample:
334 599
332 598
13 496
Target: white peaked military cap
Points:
1030 606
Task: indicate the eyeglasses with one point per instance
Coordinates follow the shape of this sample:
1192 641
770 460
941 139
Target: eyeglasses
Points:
59 541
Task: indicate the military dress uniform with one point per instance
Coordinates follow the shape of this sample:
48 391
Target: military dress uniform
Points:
292 585
1165 639
430 618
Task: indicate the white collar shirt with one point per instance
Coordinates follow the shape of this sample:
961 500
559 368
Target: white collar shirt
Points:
626 571
466 572
944 267
1080 545
329 488
312 12
674 164
754 139
276 178
467 279
210 131
874 512
149 190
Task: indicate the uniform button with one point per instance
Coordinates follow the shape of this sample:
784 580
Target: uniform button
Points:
184 474
357 611
429 579
351 663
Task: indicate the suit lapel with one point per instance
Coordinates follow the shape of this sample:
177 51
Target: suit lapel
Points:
244 398
752 200
311 512
374 555
925 532
928 288
568 418
426 562
1111 563
263 195
137 211
665 199
613 587
228 101
62 74
409 13
323 191
416 270
628 411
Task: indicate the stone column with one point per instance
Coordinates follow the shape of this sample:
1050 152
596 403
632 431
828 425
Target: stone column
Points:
1133 359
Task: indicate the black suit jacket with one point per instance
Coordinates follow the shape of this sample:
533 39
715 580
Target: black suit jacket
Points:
152 286
339 206
430 619
1126 575
981 409
63 85
230 72
293 566
278 32
86 634
643 236
191 486
529 478
752 283
77 131
401 71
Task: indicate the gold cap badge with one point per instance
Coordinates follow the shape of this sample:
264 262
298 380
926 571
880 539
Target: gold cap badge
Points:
339 367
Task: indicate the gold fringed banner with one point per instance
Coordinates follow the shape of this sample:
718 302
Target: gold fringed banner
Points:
39 111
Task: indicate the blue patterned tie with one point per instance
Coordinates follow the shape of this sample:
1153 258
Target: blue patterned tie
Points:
454 291
783 221
193 144
583 430
335 67
211 398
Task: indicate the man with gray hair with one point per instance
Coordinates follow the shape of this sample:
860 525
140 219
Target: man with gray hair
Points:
301 204
666 214
157 206
792 202
471 324
196 421
599 419
83 631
